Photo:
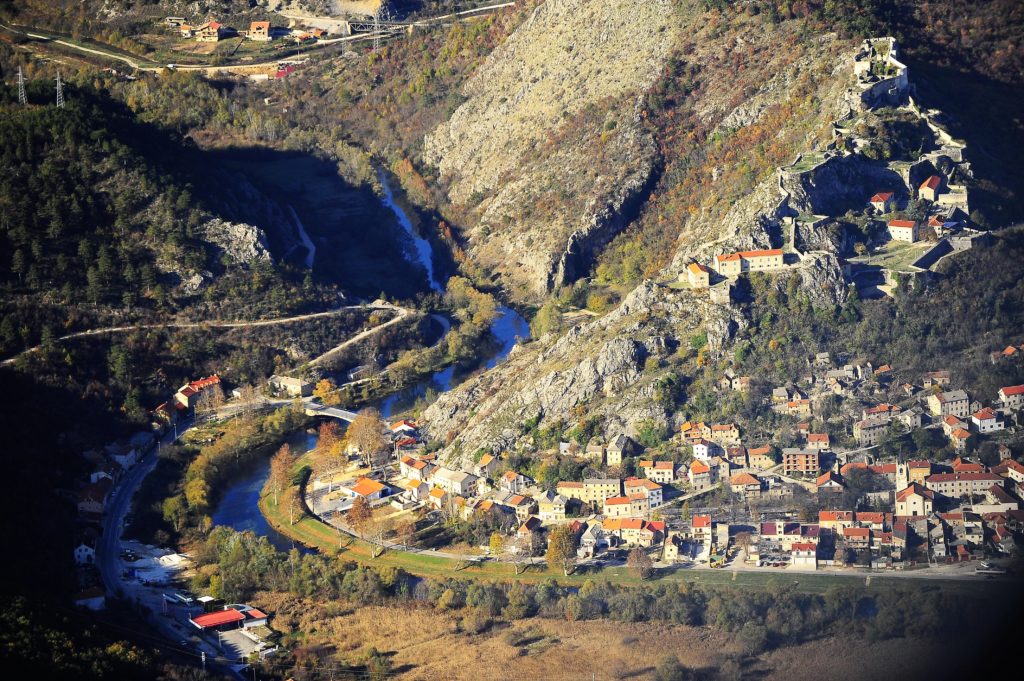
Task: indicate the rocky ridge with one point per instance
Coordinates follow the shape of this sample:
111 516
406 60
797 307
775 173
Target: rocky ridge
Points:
542 210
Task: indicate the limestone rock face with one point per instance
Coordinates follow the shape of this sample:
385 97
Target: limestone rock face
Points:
821 278
241 242
602 367
551 181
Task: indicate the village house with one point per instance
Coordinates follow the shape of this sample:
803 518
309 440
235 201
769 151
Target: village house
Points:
986 421
885 411
368 489
797 461
903 230
551 507
626 506
800 408
522 506
734 264
935 378
124 454
957 484
746 485
950 403
1010 469
592 491
438 498
703 450
698 276
514 483
883 202
486 466
930 189
663 472
804 556
959 438
700 475
835 520
416 491
951 423
210 32
857 538
595 452
653 491
530 526
291 386
414 469
692 431
918 470
620 447
702 528
93 498
457 483
829 483
188 394
725 434
760 457
259 30
870 431
635 531
1012 397
911 418
818 441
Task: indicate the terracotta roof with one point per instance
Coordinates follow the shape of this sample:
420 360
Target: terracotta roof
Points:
961 434
744 479
834 515
817 437
723 427
259 24
701 521
902 223
804 546
984 415
1012 390
919 463
856 532
881 196
437 493
968 475
255 614
759 451
749 254
486 459
698 467
932 182
570 485
827 478
364 487
697 268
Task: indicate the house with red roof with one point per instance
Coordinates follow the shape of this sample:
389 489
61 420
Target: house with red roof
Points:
188 395
930 189
698 276
663 472
914 500
986 421
210 32
829 483
883 202
1012 396
734 264
818 441
259 30
804 556
903 230
746 484
956 485
699 474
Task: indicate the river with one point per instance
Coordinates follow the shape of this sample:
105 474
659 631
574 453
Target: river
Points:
239 505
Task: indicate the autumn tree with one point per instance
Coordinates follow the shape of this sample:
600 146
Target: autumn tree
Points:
281 470
327 392
561 549
366 434
330 441
496 544
359 513
640 563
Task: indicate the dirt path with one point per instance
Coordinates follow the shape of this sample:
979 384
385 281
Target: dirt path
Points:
222 324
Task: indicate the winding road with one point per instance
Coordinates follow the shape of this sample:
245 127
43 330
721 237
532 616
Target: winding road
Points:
223 324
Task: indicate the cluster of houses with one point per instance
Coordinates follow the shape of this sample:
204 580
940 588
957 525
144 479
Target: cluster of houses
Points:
212 31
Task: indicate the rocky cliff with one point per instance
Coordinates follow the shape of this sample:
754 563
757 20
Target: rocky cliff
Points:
548 149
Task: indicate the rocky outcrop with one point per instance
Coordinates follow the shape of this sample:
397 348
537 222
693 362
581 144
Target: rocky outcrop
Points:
838 184
241 242
822 281
548 150
606 367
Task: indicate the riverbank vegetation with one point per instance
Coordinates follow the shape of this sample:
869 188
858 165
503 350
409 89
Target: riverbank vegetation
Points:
761 617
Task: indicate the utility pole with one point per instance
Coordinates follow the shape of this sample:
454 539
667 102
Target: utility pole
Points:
22 99
60 92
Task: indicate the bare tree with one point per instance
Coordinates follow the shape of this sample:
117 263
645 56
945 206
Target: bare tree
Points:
640 563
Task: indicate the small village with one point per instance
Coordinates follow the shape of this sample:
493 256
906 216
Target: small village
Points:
724 500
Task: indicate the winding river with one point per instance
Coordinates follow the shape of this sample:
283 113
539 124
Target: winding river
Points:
239 505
